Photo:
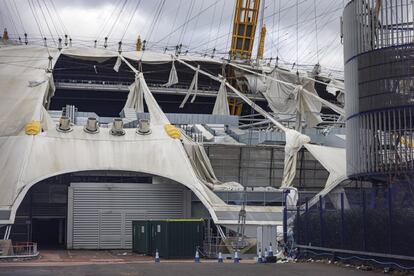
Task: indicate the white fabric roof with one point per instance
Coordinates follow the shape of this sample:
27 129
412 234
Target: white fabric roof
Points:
25 160
101 54
334 161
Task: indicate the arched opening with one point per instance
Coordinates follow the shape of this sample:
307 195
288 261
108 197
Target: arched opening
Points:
95 209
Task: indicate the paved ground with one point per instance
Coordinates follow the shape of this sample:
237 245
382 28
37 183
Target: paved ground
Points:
84 262
184 269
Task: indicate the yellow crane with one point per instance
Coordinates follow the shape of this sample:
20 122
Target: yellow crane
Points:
244 28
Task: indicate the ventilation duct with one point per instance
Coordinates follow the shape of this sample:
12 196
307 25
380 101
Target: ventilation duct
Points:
144 127
64 124
117 127
92 126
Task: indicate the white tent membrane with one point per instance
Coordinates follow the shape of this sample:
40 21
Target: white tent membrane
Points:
337 88
221 106
27 159
294 139
284 99
162 58
173 78
334 161
193 89
332 106
135 98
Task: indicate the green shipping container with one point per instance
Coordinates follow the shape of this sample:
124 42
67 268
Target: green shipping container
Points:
141 237
174 238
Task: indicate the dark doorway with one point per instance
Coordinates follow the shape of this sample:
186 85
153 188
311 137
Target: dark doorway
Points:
48 233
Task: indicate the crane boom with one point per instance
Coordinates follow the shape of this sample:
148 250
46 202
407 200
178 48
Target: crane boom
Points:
244 28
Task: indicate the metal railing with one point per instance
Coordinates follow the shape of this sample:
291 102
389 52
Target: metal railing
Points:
20 249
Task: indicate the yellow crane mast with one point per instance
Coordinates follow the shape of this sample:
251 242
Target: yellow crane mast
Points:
244 28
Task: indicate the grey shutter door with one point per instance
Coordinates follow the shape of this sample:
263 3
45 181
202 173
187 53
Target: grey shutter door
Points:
101 214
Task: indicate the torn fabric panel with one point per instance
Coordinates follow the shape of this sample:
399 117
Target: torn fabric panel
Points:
221 107
285 99
334 161
193 87
135 97
294 142
173 78
157 116
117 64
202 167
337 88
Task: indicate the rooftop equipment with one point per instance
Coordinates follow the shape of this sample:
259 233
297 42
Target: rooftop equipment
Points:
144 127
64 124
92 126
117 127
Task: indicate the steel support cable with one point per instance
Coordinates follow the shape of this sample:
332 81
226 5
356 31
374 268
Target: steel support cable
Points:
316 31
221 19
107 20
51 18
191 19
1 19
230 29
211 25
65 30
195 27
31 5
175 21
32 8
148 23
117 18
189 12
287 8
331 44
273 25
19 16
277 45
321 15
327 11
308 20
10 16
297 34
155 20
212 40
156 25
130 20
47 24
306 16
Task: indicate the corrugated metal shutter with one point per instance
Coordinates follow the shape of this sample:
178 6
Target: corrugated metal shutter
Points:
102 214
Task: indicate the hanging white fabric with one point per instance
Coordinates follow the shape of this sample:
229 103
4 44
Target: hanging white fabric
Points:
117 64
135 97
294 139
334 161
294 142
157 116
173 78
332 106
193 87
221 107
285 99
337 88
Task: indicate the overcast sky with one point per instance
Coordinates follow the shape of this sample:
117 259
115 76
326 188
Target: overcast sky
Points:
208 27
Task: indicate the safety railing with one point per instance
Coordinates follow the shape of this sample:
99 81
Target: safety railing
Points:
20 249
